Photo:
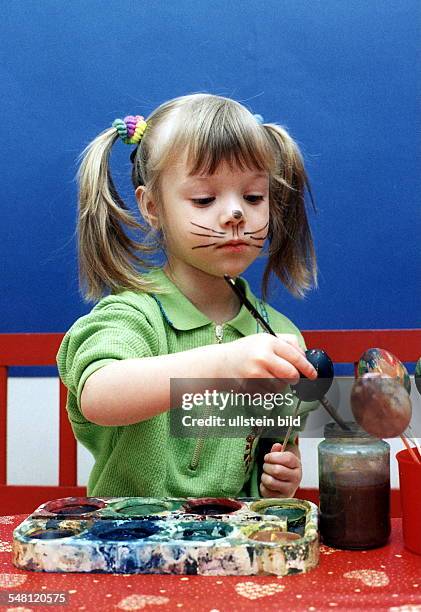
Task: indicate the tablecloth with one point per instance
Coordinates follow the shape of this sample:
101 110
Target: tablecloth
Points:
387 578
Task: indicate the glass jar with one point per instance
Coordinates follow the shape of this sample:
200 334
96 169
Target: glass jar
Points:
354 485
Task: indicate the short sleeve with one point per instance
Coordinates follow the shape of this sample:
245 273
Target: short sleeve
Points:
112 331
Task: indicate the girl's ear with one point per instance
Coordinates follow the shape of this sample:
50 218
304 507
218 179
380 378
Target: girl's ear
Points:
147 206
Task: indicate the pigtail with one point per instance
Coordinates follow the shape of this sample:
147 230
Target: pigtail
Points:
291 253
108 257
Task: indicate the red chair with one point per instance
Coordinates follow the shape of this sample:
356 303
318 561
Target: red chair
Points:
343 346
35 350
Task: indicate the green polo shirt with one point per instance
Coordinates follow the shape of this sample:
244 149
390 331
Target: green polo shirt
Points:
143 459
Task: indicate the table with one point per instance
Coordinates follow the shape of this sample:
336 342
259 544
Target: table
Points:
387 578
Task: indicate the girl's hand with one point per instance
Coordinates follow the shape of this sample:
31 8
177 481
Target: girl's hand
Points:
266 356
281 473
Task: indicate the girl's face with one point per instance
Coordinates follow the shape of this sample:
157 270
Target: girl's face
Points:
215 223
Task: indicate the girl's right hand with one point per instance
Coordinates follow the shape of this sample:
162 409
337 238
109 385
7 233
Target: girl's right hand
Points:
266 356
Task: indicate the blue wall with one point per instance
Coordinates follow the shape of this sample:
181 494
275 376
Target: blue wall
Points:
342 76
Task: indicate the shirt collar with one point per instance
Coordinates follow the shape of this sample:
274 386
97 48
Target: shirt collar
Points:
181 314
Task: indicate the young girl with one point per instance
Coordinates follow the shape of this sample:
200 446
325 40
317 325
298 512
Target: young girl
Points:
213 184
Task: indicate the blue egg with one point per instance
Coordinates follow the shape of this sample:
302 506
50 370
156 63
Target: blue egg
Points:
311 390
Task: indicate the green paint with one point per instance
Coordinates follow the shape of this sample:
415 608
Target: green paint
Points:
142 510
147 507
293 515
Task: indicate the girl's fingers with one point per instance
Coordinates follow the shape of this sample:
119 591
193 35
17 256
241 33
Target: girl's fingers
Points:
279 486
295 357
277 471
268 493
286 459
284 370
291 339
280 472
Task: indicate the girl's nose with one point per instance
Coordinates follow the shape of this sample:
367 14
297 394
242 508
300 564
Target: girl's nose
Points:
233 216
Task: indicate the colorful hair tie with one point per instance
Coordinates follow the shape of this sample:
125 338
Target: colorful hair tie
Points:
131 128
259 119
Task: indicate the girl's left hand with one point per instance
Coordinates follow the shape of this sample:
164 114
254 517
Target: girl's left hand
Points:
281 473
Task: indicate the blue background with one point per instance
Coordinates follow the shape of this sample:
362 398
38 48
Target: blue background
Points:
341 76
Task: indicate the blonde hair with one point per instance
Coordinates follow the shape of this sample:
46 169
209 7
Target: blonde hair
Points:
211 129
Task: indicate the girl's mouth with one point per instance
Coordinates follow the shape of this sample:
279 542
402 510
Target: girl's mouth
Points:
234 245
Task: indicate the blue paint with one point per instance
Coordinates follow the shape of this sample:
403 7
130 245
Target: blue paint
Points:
123 531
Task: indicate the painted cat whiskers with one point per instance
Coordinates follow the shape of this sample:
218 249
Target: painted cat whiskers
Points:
258 238
209 229
216 234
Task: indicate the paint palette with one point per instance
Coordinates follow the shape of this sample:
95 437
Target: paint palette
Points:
208 536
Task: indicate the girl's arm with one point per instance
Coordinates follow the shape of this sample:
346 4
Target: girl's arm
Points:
132 390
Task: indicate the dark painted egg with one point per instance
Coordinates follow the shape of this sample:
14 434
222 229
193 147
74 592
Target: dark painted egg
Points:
417 376
311 390
381 405
384 362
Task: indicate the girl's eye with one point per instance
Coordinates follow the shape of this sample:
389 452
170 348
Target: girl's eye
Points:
253 199
202 201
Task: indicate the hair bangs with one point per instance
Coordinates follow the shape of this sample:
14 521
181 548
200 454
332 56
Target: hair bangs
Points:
211 130
228 133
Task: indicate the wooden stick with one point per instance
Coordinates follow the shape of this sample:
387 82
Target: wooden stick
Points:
285 442
411 450
413 439
333 413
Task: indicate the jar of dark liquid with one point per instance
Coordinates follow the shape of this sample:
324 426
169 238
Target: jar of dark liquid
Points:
354 483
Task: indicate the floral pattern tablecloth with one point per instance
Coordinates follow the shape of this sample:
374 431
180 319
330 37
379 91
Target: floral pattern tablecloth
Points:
387 578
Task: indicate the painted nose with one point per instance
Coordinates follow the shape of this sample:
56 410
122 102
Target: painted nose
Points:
233 216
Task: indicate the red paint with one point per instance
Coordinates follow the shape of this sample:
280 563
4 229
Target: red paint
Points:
71 506
208 506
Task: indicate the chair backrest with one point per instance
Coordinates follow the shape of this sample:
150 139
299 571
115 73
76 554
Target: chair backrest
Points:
343 346
35 350
347 345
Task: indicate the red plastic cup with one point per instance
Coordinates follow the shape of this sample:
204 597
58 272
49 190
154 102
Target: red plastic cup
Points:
410 486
